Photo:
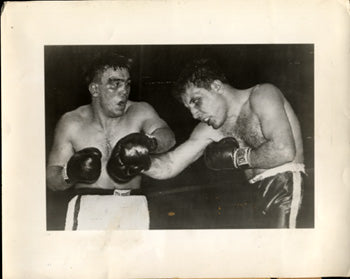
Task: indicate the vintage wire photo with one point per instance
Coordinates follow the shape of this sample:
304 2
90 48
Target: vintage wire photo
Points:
206 193
187 139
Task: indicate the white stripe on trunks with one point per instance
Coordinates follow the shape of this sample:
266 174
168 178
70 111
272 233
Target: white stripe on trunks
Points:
296 200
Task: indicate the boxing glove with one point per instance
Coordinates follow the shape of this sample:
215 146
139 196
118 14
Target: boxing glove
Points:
130 157
226 154
84 166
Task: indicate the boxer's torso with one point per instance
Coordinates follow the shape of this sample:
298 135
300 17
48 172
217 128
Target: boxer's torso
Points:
247 130
89 133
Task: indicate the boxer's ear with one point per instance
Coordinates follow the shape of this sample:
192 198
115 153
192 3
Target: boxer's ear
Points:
216 86
93 88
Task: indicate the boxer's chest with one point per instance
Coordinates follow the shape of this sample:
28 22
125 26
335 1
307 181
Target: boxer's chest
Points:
246 129
104 138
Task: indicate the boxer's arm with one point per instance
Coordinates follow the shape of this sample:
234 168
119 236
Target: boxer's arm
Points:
170 164
60 153
156 127
279 148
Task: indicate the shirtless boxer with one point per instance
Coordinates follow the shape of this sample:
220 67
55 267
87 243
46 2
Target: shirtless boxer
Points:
87 150
259 133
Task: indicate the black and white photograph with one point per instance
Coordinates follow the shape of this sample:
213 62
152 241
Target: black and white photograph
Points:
175 139
179 136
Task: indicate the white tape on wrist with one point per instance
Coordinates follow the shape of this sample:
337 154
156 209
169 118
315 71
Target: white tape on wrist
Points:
154 141
241 158
64 174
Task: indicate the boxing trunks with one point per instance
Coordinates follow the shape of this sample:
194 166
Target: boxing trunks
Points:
278 195
107 209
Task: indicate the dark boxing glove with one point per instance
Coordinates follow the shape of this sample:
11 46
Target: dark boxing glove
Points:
84 166
130 157
226 154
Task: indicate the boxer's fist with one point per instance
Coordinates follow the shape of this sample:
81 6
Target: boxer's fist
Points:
84 166
226 154
130 157
219 155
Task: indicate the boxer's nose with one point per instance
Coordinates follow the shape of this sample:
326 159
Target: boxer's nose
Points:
124 92
194 112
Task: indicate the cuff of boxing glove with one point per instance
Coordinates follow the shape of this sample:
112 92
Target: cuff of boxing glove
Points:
153 143
241 158
65 175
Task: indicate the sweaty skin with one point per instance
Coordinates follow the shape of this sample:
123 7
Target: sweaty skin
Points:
268 124
259 117
102 124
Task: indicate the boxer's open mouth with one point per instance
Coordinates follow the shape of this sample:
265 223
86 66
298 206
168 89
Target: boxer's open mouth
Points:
206 120
121 103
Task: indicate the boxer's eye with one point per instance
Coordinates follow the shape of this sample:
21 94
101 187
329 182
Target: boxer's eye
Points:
117 83
195 102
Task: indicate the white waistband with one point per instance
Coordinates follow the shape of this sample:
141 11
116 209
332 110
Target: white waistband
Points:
118 192
293 167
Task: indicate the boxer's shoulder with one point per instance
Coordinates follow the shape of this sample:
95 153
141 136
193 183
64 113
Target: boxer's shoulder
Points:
141 108
79 114
265 95
264 91
75 118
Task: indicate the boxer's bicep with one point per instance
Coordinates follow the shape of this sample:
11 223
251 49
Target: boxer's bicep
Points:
150 119
204 132
62 148
170 164
60 153
268 105
154 126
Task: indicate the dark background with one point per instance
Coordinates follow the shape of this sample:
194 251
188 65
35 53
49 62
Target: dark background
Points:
197 198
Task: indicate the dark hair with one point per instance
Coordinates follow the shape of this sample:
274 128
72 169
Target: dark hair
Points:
104 61
201 73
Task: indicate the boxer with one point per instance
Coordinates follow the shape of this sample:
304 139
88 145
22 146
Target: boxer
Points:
253 130
101 148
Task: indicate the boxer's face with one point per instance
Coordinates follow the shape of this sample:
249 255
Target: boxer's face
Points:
208 106
112 91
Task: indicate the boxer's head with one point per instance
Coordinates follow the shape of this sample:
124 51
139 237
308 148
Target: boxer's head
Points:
200 88
109 83
200 73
